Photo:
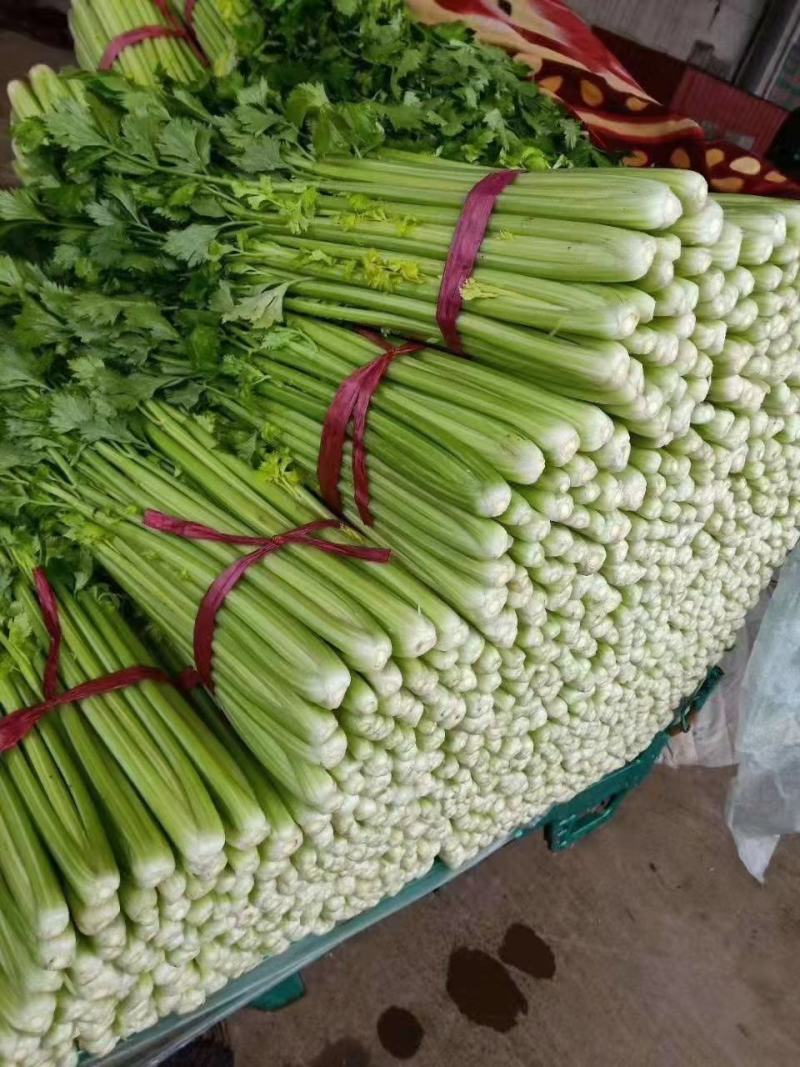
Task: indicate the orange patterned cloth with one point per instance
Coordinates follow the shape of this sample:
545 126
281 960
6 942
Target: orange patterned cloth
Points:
573 65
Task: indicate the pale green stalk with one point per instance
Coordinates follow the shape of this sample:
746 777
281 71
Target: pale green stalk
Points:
52 787
592 196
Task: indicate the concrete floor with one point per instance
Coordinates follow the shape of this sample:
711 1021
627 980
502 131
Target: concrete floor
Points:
648 945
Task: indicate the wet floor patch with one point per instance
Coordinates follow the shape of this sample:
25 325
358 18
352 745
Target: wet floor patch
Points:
400 1032
483 990
524 949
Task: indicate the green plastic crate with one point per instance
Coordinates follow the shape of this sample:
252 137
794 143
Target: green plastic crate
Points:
569 823
689 707
280 996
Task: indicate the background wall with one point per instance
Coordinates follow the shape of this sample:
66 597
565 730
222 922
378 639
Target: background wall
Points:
711 34
786 90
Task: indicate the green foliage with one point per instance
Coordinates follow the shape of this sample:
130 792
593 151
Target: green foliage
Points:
423 87
134 264
194 245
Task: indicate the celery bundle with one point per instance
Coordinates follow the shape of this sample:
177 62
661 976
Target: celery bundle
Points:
203 38
579 316
179 858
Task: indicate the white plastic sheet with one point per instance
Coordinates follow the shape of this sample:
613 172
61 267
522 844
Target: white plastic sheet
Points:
753 720
764 802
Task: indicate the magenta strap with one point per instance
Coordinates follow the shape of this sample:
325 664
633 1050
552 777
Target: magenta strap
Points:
351 404
49 608
15 727
206 620
468 237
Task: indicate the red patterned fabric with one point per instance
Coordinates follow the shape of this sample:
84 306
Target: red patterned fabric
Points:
573 65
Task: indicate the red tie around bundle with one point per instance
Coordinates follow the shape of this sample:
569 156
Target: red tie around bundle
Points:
206 621
15 727
466 244
174 29
351 405
354 396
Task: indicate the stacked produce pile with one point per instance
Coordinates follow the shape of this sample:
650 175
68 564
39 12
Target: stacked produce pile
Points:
585 478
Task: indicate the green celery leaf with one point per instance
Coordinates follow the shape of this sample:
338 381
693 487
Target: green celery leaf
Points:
194 244
186 144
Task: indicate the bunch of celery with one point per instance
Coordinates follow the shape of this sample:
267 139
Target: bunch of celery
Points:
579 316
376 70
95 24
204 869
292 641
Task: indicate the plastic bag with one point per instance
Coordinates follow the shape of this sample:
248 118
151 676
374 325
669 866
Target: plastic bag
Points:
764 801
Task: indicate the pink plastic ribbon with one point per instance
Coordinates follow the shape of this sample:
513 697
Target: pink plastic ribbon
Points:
468 237
49 609
206 620
14 728
352 405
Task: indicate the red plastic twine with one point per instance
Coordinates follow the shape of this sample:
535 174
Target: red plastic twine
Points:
351 405
15 727
49 608
175 29
464 248
206 621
